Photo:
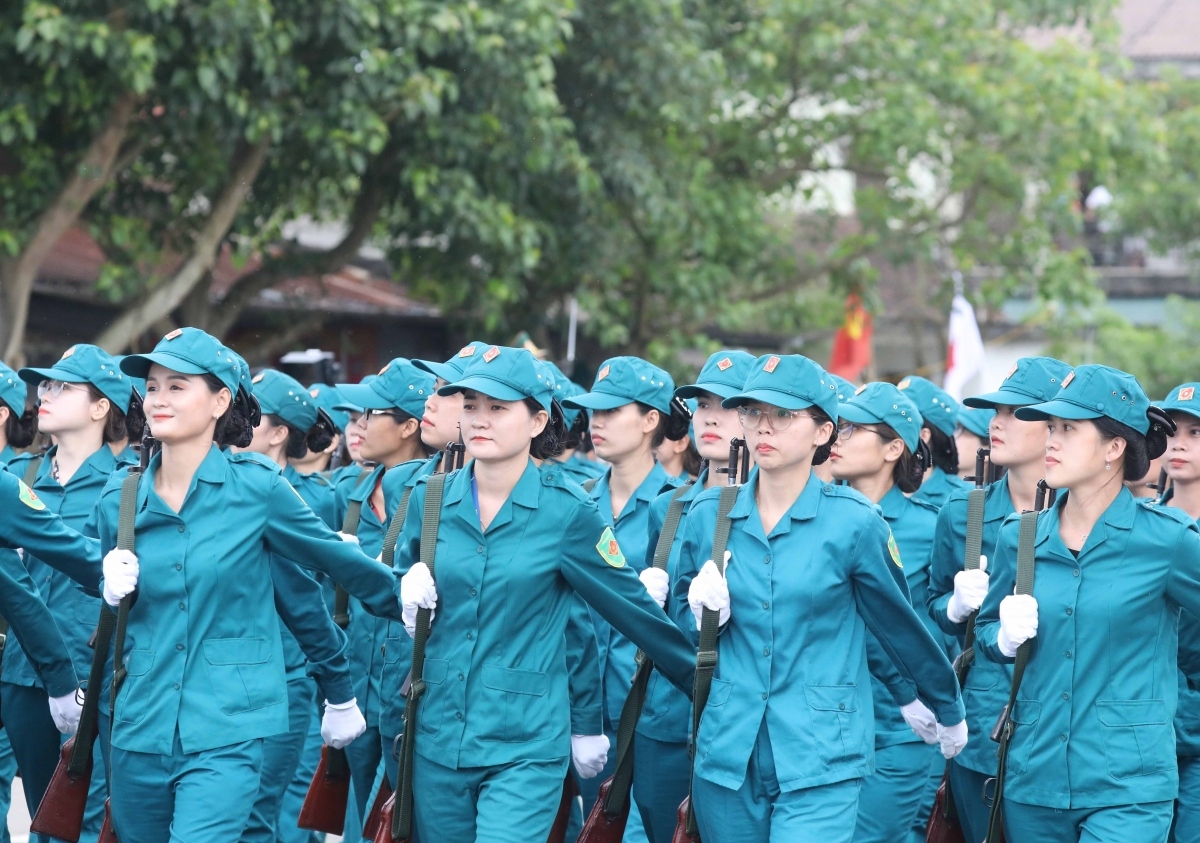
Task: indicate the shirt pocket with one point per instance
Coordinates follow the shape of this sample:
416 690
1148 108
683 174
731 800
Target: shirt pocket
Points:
713 716
241 674
1025 717
513 711
838 728
135 692
433 702
1137 736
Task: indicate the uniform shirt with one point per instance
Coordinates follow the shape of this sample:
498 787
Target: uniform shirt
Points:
578 470
496 662
1094 713
985 693
25 521
75 611
7 455
793 651
1187 716
204 654
938 487
632 528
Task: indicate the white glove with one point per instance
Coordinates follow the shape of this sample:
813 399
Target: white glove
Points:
342 723
590 754
970 587
921 720
66 710
348 537
709 590
657 583
417 591
952 738
1018 622
120 575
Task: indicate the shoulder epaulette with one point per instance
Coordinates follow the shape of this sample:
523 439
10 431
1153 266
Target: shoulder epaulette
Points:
1172 512
252 458
558 480
849 494
927 505
319 479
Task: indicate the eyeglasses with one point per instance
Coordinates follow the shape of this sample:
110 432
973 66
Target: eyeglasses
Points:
395 414
53 388
777 417
846 430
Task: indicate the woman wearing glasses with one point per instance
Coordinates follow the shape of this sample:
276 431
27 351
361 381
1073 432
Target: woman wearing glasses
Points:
784 741
82 402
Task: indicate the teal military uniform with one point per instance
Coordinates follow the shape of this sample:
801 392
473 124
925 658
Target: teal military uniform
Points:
938 487
938 410
7 455
1092 756
786 736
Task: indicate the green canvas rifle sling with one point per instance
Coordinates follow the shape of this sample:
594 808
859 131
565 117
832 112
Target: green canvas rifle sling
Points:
341 597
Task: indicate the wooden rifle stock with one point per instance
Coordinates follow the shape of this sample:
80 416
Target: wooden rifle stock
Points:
566 803
943 825
681 834
601 826
324 806
60 814
371 827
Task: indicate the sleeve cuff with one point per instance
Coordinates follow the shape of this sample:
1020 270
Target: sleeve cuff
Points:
587 721
953 713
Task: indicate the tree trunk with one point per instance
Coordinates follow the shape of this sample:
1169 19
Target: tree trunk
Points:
17 273
164 298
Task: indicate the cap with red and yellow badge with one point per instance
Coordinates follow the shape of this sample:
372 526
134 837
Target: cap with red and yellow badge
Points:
1031 380
1092 391
283 396
882 403
1184 398
400 385
12 390
329 399
790 381
724 374
191 351
625 380
85 363
506 374
935 404
452 369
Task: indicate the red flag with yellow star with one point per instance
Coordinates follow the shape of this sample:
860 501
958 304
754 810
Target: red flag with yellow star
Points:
852 343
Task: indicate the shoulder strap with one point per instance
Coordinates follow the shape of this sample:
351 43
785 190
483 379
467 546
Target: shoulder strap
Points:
1005 727
394 528
431 518
31 470
666 536
350 523
976 499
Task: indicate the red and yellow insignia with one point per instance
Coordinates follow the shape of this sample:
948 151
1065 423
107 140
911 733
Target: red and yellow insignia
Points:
33 501
1070 377
491 354
772 363
904 384
1187 393
315 393
258 378
178 332
724 364
467 351
1011 371
861 389
68 353
602 374
609 550
385 368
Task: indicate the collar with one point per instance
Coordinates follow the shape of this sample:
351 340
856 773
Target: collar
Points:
893 504
997 501
656 482
804 509
213 469
525 493
7 455
1120 515
364 487
101 463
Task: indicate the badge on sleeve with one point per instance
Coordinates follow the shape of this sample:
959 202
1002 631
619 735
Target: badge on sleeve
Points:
609 550
894 551
34 502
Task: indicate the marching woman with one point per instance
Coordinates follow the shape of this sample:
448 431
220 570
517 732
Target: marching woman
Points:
786 737
514 543
1182 465
940 413
662 767
206 679
18 426
82 401
1092 749
971 435
633 411
845 391
955 594
578 469
327 399
392 406
879 454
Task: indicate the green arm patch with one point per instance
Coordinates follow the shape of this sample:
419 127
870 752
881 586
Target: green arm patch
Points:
609 550
894 551
34 502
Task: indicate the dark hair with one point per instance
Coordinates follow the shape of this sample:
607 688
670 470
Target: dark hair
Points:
115 425
20 428
819 418
573 436
673 425
1140 448
234 429
943 449
692 462
549 443
299 442
909 470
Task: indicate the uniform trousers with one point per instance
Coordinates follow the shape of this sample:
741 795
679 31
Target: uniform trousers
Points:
661 772
293 798
937 769
758 812
185 797
890 798
1148 822
1186 828
281 757
972 794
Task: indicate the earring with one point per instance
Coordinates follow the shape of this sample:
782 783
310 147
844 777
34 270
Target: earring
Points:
1108 466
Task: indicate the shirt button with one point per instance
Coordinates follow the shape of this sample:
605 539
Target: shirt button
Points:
766 651
1066 696
472 592
470 636
1068 654
178 646
767 559
841 706
458 715
764 695
1070 611
181 528
461 677
178 567
1075 573
479 549
176 686
766 605
1062 738
182 607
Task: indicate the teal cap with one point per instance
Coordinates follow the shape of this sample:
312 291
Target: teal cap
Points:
1031 380
506 374
453 368
624 380
790 381
724 374
284 396
1184 398
85 363
1092 391
12 389
139 384
934 403
400 384
882 403
191 351
976 420
328 399
347 406
845 389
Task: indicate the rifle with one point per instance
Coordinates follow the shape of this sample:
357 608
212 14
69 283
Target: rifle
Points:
60 814
686 829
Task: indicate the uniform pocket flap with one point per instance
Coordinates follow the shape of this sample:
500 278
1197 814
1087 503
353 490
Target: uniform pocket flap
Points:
139 662
237 650
394 648
832 697
719 692
434 671
1131 712
515 681
1027 712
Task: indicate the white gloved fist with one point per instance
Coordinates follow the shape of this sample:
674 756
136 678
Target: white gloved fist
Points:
1018 622
709 590
952 739
65 711
970 587
121 571
657 583
348 537
921 720
590 754
342 723
417 591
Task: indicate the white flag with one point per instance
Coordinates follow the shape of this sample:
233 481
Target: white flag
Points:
964 354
